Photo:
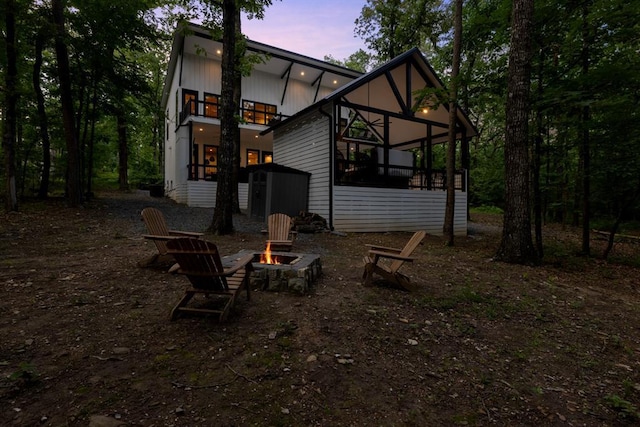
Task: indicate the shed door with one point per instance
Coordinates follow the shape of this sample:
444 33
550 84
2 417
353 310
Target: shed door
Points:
259 194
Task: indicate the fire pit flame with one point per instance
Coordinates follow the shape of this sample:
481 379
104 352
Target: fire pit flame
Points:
266 258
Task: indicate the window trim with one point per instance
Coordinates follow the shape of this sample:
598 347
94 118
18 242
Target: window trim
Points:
194 105
208 163
265 154
208 103
257 153
258 109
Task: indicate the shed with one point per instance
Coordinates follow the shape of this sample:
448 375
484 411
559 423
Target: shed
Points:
275 188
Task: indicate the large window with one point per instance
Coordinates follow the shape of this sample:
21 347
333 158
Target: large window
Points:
253 157
257 112
189 97
211 104
210 161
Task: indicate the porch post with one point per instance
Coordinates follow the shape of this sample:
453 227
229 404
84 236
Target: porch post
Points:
465 157
429 156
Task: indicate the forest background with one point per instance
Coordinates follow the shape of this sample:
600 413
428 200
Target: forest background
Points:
92 72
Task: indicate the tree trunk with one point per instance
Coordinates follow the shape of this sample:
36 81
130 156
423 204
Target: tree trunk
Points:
73 190
237 90
537 159
123 151
10 108
448 228
516 245
94 102
43 120
585 153
222 222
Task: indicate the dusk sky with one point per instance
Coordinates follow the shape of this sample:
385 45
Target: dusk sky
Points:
313 28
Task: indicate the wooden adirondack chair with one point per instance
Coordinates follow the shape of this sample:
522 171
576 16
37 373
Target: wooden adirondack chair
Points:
281 234
160 234
200 262
373 263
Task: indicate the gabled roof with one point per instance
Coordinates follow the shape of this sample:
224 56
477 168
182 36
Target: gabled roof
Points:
280 62
391 90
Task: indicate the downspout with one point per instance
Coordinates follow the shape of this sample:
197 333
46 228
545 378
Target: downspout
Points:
181 63
332 149
190 153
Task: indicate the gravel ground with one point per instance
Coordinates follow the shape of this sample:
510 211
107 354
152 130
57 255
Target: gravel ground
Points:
178 216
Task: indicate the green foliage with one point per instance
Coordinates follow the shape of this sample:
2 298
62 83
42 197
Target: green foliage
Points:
360 61
391 28
26 373
486 209
624 408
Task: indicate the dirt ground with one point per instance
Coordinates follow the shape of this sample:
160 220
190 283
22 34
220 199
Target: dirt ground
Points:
85 337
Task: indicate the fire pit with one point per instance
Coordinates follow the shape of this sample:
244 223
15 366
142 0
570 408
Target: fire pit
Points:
288 272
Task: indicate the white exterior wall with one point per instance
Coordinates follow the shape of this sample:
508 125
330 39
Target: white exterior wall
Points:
363 209
201 73
170 161
204 74
176 161
305 147
202 194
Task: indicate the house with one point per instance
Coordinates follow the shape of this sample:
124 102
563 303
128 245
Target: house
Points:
281 86
364 140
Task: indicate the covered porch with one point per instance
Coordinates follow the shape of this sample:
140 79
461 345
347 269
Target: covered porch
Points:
379 134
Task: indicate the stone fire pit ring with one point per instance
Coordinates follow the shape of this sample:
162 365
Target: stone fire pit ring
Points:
297 275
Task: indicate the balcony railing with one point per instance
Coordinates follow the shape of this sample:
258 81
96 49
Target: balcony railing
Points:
360 174
364 174
212 110
210 173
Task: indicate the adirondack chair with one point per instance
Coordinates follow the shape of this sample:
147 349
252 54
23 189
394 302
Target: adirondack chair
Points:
200 262
281 233
388 269
160 234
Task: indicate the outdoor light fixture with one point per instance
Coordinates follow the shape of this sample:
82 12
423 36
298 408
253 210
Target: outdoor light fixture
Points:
302 73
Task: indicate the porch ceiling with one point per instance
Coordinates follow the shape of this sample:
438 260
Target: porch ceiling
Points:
209 134
398 90
278 61
395 91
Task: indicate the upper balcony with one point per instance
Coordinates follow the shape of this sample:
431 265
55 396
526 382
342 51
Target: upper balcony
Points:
251 112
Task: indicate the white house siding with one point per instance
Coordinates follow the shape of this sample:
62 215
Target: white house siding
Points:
305 146
202 194
178 193
202 74
361 209
268 88
243 195
170 162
